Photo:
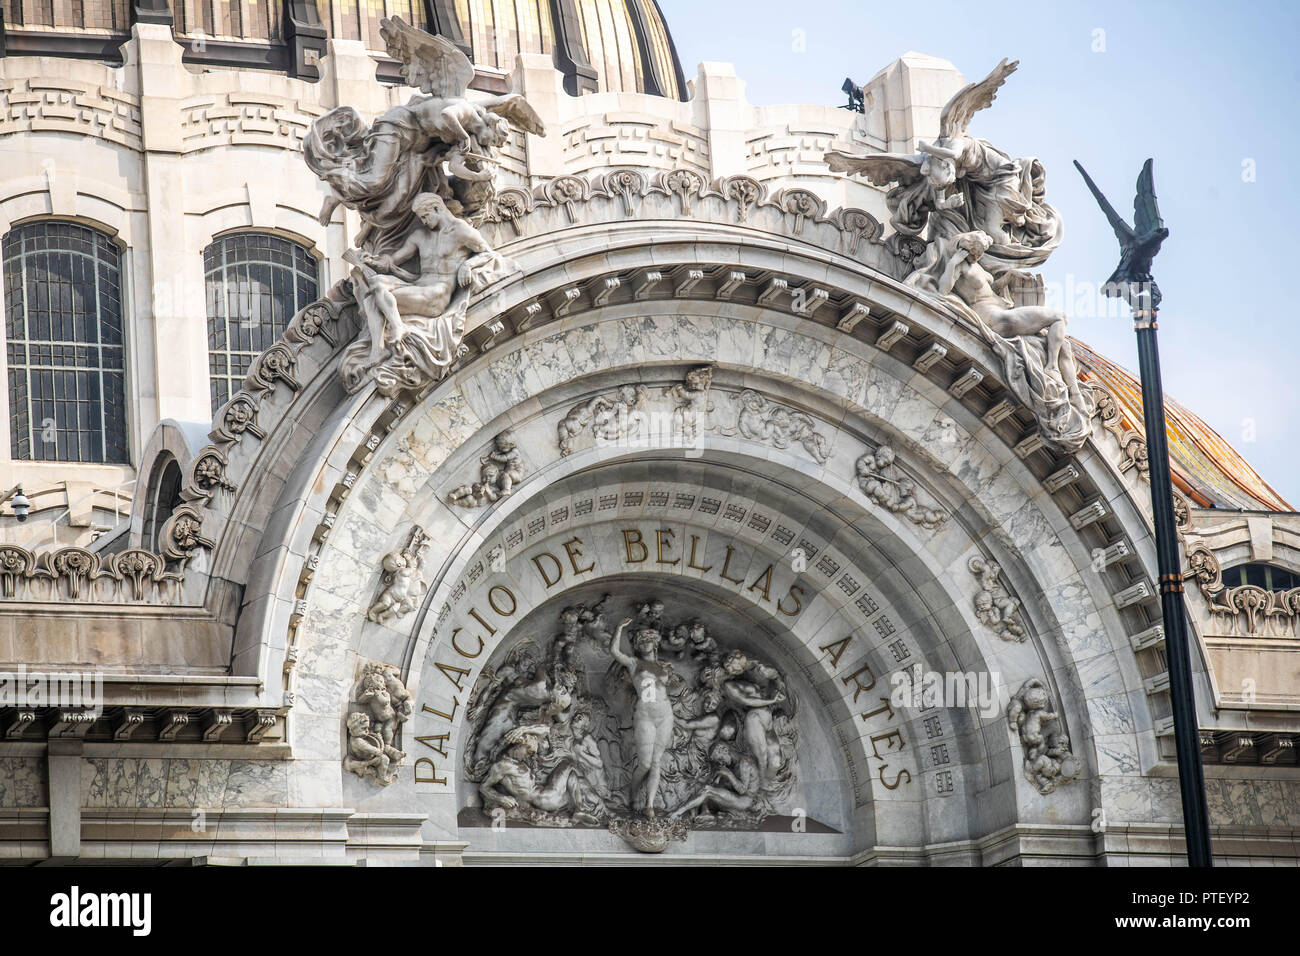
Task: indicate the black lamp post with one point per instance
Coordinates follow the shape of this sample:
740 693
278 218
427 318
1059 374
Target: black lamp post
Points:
1132 281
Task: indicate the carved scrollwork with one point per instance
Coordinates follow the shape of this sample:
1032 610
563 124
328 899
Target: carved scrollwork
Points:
682 183
237 418
16 564
1245 609
275 364
182 535
858 226
566 191
1132 444
509 205
75 574
207 475
75 565
626 184
802 204
745 191
320 318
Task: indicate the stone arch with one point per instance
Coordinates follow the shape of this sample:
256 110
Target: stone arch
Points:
368 537
327 458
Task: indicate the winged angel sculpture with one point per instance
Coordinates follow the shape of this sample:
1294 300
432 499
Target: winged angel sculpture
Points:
982 218
420 176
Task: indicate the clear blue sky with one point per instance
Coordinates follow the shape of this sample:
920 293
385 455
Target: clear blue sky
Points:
1202 87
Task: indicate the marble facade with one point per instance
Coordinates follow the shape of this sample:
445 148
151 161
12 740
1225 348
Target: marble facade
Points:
681 265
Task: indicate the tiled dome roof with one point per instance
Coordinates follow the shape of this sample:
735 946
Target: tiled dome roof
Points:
618 46
1205 467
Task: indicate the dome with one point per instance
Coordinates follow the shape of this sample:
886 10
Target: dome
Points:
1204 466
620 46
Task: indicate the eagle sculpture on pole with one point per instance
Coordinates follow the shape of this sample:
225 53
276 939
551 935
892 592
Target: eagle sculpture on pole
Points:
1138 243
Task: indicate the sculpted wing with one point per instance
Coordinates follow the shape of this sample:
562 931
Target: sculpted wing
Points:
972 98
429 62
1146 214
879 169
1122 231
517 110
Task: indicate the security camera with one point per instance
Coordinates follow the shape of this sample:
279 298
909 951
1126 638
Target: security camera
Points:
21 505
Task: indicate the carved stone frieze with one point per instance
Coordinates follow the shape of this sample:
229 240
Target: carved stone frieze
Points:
881 480
500 470
401 583
380 705
609 419
762 420
1246 609
75 574
1048 760
994 606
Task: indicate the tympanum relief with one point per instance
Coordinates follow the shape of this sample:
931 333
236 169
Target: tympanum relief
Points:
648 726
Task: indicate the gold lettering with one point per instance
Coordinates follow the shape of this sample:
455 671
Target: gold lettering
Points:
574 554
798 604
695 541
659 547
508 593
898 777
766 578
875 742
629 541
447 670
880 710
455 702
860 687
559 571
433 772
460 650
842 645
473 612
435 747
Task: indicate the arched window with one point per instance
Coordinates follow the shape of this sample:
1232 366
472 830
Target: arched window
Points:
63 330
255 284
163 494
1264 576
